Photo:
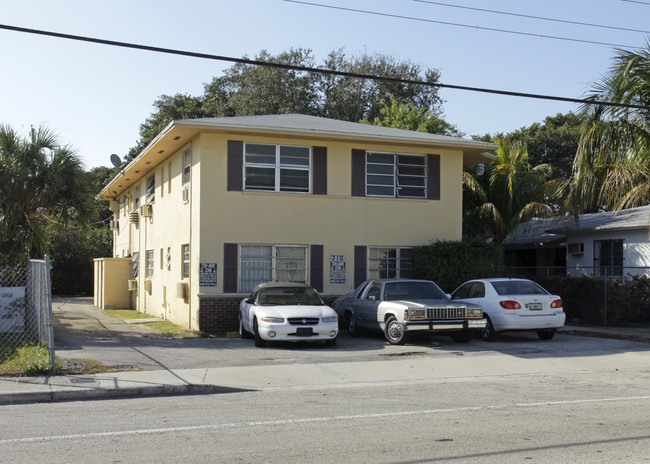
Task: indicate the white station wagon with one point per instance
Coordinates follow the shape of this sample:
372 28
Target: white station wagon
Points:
286 311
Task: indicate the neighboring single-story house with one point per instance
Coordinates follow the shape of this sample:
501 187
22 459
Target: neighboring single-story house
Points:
609 244
212 207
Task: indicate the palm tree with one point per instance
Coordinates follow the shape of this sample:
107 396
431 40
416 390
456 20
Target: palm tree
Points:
40 182
612 166
508 193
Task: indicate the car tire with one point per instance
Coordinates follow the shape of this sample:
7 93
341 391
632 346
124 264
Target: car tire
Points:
394 332
465 336
259 341
546 334
353 329
488 333
243 333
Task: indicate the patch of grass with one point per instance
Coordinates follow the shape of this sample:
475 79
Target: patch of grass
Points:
164 327
65 366
125 314
27 360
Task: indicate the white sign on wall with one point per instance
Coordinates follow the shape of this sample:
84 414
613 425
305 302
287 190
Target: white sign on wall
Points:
337 269
12 316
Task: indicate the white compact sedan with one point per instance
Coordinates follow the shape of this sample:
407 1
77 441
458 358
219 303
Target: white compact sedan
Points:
513 305
286 311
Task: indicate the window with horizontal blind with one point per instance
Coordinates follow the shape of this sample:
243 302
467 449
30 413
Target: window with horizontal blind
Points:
396 175
277 168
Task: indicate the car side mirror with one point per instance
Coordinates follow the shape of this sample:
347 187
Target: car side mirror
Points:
249 301
372 298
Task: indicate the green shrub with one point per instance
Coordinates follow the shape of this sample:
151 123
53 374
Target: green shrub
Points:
450 263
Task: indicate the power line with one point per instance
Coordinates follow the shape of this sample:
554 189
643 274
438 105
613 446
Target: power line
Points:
542 18
447 23
637 1
329 72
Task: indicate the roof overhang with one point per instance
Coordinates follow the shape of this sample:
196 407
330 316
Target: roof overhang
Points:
179 133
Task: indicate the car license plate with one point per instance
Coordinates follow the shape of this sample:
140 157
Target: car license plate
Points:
304 331
535 306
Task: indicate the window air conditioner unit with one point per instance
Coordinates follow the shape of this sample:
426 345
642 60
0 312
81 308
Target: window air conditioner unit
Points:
576 248
147 285
134 217
114 225
133 285
183 290
146 210
186 194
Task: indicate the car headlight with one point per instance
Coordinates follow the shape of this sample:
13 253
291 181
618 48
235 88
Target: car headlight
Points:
330 319
414 314
274 320
474 312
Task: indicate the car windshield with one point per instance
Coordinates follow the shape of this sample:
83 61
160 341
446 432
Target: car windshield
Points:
412 291
289 296
518 287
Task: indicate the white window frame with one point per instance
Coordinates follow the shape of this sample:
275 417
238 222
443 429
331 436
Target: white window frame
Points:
185 256
149 263
400 185
187 166
269 265
277 168
402 268
151 189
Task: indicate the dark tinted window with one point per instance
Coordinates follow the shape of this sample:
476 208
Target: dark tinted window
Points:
518 287
412 291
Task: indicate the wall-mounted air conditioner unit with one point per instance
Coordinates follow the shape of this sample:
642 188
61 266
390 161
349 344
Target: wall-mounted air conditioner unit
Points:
146 210
183 290
114 225
147 285
576 248
133 285
134 217
186 194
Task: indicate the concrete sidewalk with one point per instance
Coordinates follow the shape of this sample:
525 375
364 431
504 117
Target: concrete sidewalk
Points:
422 369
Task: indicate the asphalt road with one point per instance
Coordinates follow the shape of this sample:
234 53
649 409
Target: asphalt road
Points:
572 399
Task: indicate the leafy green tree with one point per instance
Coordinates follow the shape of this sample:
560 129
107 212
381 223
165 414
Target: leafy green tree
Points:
408 116
507 193
612 166
246 90
41 182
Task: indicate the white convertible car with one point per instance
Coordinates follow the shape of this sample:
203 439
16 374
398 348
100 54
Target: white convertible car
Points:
285 311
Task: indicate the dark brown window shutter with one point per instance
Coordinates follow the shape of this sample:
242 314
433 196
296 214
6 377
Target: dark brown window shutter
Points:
230 259
433 177
358 173
360 264
316 262
319 171
235 163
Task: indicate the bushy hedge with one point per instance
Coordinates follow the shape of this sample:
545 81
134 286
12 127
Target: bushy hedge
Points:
628 300
450 263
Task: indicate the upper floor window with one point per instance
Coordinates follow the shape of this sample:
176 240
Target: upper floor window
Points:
149 263
151 189
187 164
390 262
136 201
396 175
186 261
277 168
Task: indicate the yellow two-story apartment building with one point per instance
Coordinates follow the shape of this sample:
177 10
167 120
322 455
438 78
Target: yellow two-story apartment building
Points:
213 207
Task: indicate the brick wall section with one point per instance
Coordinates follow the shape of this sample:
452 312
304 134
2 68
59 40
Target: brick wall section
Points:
219 315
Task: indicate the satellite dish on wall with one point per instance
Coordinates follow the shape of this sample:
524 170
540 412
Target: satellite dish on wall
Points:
117 162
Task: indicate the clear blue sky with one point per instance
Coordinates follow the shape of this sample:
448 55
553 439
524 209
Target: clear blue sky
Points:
95 97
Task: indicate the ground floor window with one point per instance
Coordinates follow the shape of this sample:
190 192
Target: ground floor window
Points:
608 257
390 262
186 261
265 263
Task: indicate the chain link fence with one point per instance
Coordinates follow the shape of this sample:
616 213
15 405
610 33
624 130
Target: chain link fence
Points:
26 325
596 295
